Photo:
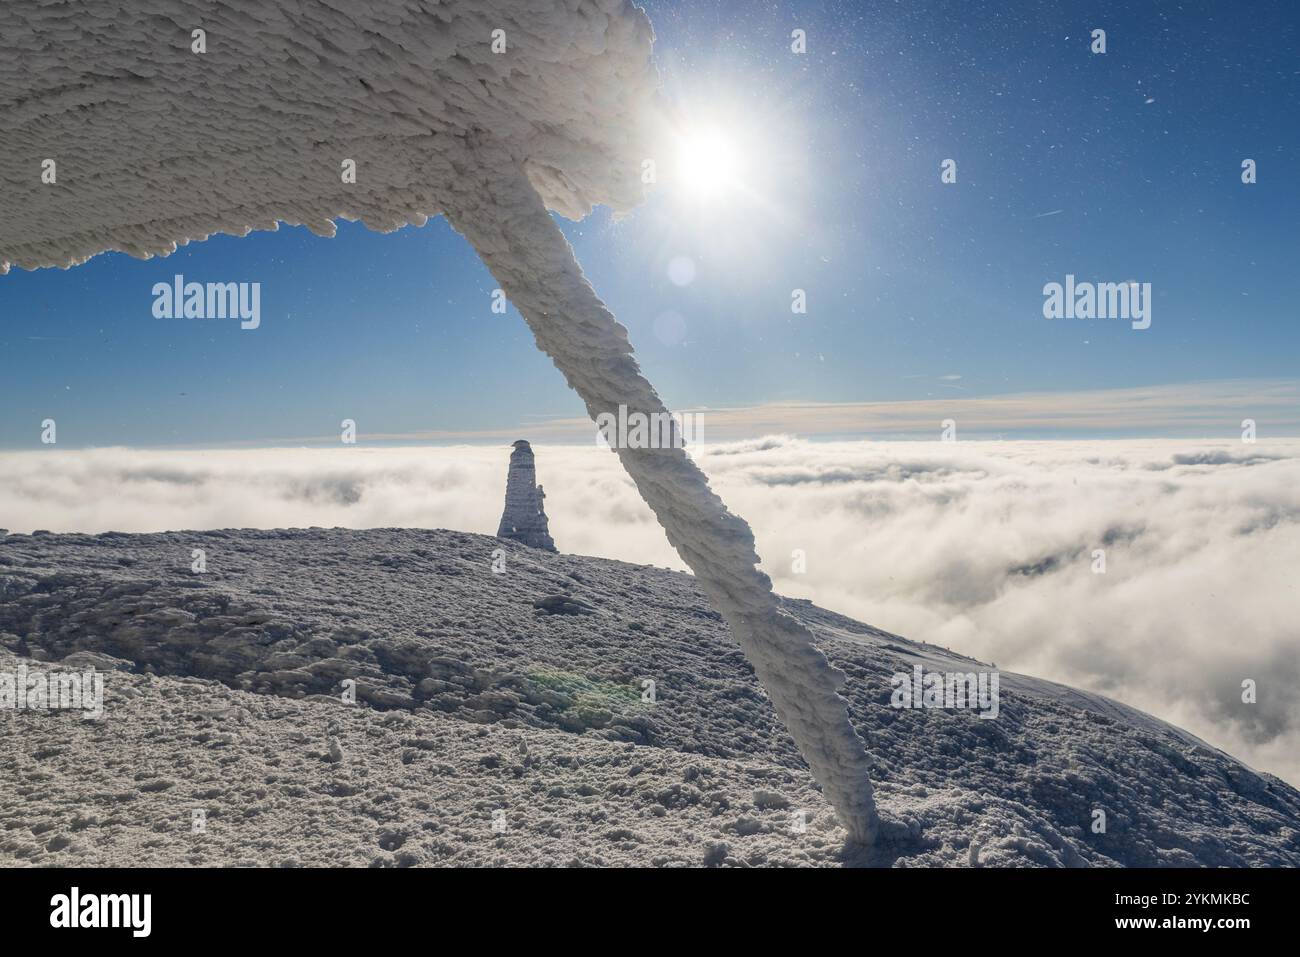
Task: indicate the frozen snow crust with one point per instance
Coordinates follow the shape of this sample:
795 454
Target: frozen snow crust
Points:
226 696
156 145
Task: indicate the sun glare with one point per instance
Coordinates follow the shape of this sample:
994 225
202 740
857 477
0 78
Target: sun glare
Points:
708 163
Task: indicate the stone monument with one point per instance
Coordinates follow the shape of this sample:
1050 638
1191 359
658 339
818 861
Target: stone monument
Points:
524 518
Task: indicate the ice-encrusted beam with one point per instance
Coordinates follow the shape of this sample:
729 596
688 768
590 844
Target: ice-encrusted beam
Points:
156 144
508 224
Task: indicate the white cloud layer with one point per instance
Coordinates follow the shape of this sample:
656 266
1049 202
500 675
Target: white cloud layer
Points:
984 547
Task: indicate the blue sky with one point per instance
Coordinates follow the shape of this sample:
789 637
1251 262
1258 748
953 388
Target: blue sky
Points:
1111 167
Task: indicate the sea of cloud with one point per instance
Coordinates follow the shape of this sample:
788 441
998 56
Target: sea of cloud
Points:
985 547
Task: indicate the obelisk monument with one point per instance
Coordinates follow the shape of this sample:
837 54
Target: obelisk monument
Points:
524 518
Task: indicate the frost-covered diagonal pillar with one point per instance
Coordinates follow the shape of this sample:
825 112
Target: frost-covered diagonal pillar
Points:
492 111
500 213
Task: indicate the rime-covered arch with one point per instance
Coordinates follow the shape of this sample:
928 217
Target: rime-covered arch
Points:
155 144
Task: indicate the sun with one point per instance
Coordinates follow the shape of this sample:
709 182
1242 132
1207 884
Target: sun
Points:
708 163
731 182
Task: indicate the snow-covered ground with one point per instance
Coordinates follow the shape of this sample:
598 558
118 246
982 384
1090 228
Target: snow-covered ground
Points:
473 699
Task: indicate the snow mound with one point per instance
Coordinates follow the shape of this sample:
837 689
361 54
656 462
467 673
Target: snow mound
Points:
223 692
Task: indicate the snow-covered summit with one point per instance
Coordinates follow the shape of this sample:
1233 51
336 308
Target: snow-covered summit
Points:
476 693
